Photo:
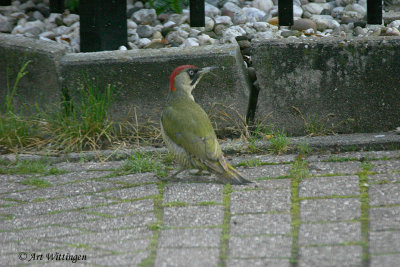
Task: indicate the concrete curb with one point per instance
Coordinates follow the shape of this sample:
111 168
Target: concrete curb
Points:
351 85
333 143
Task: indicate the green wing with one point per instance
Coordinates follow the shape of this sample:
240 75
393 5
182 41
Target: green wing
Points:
187 124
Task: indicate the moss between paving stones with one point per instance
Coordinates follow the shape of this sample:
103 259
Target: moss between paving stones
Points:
363 176
156 227
226 199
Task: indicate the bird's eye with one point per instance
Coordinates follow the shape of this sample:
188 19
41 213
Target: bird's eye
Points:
191 72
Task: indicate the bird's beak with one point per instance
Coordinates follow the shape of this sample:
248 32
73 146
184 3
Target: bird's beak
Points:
205 70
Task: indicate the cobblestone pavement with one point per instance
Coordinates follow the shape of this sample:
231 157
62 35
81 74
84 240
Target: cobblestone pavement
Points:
319 210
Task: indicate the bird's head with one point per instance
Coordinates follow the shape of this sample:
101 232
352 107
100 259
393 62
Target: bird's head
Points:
185 78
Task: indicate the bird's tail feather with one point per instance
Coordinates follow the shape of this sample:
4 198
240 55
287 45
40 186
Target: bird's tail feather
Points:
234 177
226 172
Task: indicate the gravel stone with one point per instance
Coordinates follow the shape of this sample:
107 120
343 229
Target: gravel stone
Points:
145 31
144 16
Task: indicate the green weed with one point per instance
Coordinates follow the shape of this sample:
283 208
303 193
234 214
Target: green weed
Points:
15 130
37 182
83 124
143 162
279 143
30 167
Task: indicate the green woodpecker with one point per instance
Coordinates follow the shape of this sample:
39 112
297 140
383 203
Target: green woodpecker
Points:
187 130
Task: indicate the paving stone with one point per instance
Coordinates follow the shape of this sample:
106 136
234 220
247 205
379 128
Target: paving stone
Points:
328 186
190 238
124 246
384 194
125 208
331 256
385 260
4 202
258 262
89 166
384 241
193 193
262 158
107 224
27 245
136 178
74 176
194 257
383 166
265 171
329 233
37 233
260 224
318 168
358 155
128 259
38 208
12 178
7 187
385 218
265 184
260 246
91 239
386 177
337 209
132 192
46 219
61 190
260 201
193 216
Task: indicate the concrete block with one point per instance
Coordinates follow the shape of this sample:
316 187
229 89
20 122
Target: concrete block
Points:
356 79
329 233
329 186
331 256
141 79
41 84
337 209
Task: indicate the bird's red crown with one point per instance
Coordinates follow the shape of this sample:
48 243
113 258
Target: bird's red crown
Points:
176 72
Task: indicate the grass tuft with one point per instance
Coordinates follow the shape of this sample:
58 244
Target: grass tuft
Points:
279 143
30 167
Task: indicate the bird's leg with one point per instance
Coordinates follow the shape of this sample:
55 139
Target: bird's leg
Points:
176 173
172 178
